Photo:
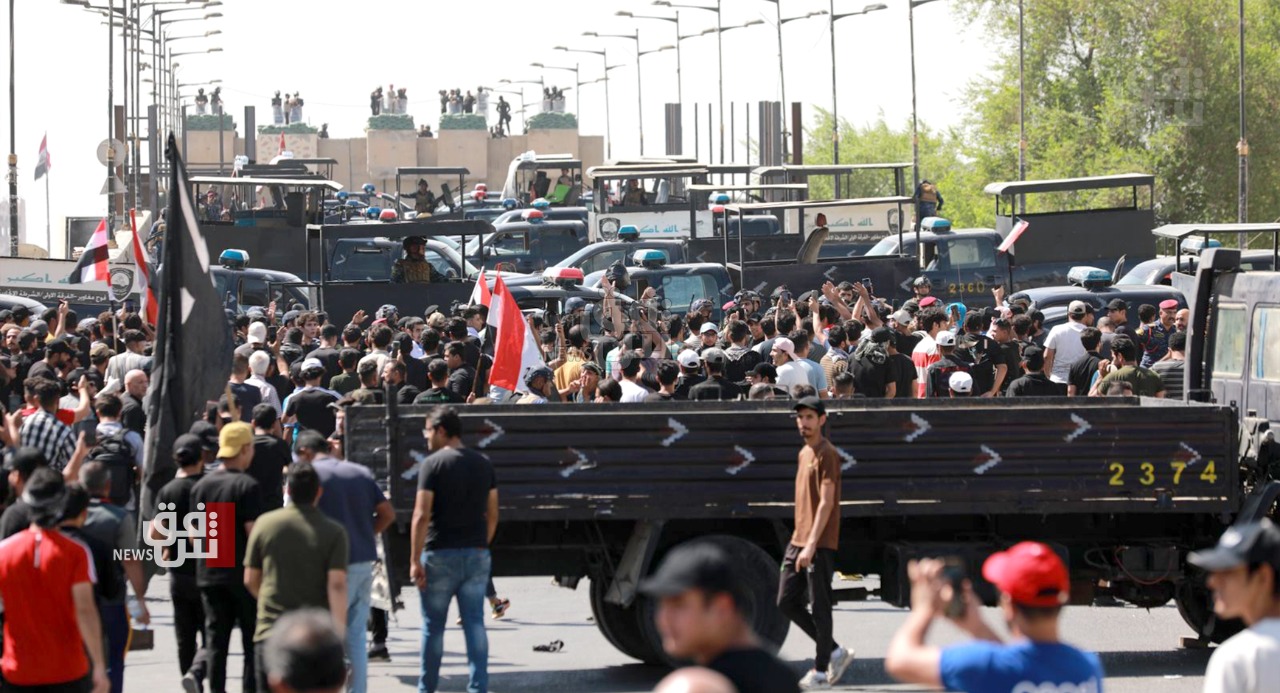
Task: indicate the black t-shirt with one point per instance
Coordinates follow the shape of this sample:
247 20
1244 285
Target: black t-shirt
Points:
42 369
16 518
1082 372
228 486
460 479
939 375
686 383
714 389
416 374
1010 356
982 357
109 586
903 373
438 395
178 492
461 380
249 397
132 415
282 384
328 357
406 394
659 397
907 342
755 671
270 456
1036 385
871 379
312 409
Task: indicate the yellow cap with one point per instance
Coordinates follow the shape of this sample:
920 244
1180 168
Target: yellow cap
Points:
232 439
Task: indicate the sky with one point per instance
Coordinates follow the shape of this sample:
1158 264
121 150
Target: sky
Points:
335 55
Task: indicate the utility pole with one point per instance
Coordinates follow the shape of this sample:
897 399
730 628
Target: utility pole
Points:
1242 148
13 148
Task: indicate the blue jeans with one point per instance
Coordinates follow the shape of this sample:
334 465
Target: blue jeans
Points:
461 573
115 630
359 589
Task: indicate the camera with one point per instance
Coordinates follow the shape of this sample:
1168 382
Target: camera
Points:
954 572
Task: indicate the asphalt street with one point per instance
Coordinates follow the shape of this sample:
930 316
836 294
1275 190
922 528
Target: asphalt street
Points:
1139 648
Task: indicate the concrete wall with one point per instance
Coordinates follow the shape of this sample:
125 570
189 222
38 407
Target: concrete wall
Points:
302 146
202 148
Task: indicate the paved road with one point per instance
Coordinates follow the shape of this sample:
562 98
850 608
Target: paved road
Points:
1139 648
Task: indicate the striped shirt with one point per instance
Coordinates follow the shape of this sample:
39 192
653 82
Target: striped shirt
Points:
46 433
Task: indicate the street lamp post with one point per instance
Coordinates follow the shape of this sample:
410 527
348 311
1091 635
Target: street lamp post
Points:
915 131
576 78
1242 149
782 72
13 146
604 56
835 104
639 77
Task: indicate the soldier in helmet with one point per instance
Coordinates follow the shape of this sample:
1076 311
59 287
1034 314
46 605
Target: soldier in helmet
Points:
414 268
424 200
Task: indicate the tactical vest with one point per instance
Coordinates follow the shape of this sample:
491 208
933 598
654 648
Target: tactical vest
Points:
416 271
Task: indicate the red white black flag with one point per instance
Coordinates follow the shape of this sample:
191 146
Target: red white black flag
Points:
92 265
42 163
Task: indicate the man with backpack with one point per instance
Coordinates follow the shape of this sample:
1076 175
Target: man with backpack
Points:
928 200
119 449
740 358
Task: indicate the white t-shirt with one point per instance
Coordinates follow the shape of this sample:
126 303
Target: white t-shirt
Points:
1067 349
1248 662
632 392
791 374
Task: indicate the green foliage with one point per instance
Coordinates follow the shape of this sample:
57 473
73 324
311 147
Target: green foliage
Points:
1115 87
390 121
553 121
209 123
879 142
290 129
463 121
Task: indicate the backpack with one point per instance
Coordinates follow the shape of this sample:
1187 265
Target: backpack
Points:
928 192
118 456
740 363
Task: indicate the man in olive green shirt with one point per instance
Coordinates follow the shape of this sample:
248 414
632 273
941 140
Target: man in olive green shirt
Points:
296 558
1124 355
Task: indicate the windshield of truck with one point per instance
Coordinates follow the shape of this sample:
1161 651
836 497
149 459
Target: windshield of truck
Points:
1144 273
681 290
1229 341
966 253
639 195
887 246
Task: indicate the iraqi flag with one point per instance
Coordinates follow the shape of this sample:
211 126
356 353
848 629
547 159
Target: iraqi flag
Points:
43 164
480 295
516 352
143 280
281 143
1014 235
92 265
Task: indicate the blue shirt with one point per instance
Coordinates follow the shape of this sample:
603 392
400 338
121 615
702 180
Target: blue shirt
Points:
1020 667
350 498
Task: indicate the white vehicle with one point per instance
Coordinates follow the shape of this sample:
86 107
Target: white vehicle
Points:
652 197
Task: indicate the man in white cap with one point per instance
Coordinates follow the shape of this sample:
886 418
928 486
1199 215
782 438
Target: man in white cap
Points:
708 336
961 384
1062 348
790 373
690 373
309 406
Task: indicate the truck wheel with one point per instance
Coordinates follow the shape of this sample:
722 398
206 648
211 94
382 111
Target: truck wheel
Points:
1195 606
618 625
759 574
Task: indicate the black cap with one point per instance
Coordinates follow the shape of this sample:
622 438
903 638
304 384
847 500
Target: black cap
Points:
695 566
881 335
1117 304
187 449
207 433
1255 542
24 460
812 403
58 346
763 369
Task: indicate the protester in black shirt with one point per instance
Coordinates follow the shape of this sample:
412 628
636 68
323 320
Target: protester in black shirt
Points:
56 355
690 373
983 356
716 387
667 375
394 374
871 367
439 393
227 603
188 609
701 617
462 375
1080 379
1010 354
901 369
327 353
1035 383
938 383
270 457
18 465
132 414
309 407
455 516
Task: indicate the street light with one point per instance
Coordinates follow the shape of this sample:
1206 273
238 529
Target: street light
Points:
915 132
835 106
639 77
1242 148
782 71
608 120
719 55
207 50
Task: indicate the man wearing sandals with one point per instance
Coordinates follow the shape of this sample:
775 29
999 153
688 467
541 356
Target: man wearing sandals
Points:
455 516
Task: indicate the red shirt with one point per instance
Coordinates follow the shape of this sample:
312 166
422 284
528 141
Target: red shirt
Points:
42 643
66 416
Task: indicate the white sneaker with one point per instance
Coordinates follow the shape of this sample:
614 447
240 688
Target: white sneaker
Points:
814 680
840 661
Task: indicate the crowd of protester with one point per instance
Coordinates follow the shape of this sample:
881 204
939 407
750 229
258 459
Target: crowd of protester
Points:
75 393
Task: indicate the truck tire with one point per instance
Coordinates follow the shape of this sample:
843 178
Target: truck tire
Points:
618 625
759 574
1195 606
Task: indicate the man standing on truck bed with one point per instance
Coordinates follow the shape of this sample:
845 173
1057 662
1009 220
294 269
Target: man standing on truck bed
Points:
804 591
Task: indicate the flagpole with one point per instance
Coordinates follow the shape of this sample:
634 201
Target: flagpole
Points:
48 220
13 148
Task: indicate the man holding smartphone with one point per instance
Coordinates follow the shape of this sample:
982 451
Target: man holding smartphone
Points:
804 591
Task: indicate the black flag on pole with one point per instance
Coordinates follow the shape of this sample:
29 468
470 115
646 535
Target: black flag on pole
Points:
193 350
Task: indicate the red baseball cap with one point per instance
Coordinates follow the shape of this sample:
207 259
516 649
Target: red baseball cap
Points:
1030 573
